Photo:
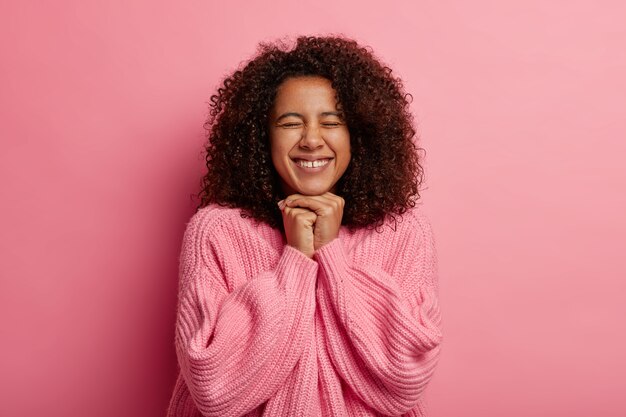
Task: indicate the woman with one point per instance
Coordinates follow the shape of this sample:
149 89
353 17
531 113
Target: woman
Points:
308 275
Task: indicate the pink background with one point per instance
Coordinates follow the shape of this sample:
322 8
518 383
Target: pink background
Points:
521 107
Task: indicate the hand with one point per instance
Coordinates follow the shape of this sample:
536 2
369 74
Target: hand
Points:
328 208
299 224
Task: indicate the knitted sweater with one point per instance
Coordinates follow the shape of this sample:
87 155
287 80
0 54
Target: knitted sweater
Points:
264 330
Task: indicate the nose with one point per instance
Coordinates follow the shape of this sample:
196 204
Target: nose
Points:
311 138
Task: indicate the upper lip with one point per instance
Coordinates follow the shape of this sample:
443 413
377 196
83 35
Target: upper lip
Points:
311 157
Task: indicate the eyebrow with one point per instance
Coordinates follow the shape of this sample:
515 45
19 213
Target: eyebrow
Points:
326 113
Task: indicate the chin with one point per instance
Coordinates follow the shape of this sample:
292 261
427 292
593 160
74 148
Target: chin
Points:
313 190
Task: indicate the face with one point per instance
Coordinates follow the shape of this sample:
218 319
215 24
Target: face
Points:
309 139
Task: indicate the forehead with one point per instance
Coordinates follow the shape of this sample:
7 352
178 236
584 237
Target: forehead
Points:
305 91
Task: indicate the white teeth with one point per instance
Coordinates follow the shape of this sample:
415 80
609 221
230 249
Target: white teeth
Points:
312 164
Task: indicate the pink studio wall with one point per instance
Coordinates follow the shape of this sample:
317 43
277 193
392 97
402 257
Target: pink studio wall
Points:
520 105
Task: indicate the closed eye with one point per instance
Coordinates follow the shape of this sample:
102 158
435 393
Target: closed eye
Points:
327 124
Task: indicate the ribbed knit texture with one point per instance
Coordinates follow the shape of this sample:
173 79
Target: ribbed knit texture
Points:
263 330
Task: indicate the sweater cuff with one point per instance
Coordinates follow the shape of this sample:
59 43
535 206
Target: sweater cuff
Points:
296 264
334 264
332 256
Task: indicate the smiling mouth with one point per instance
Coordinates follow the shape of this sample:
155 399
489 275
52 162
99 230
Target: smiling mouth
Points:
312 164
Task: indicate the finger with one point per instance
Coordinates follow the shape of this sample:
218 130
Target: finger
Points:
334 197
313 203
297 210
282 203
330 198
294 197
334 203
294 211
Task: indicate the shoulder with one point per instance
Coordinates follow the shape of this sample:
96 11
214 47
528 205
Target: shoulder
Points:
411 234
414 223
204 233
400 240
212 217
420 222
209 225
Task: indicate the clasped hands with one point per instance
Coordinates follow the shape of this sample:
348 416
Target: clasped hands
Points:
311 221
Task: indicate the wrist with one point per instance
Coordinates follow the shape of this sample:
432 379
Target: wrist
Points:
306 251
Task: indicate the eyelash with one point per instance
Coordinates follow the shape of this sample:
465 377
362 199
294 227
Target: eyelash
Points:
298 124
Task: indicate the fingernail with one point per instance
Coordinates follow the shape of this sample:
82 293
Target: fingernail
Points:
281 203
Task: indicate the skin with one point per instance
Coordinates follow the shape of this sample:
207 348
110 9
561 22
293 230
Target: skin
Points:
305 120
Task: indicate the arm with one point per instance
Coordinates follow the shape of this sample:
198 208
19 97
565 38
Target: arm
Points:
382 326
236 349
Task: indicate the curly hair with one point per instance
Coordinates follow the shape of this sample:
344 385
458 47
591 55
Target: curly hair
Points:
384 173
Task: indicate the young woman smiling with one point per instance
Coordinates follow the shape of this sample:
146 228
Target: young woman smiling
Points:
308 275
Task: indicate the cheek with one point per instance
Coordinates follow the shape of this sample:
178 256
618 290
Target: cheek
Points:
346 153
346 162
278 151
342 145
279 157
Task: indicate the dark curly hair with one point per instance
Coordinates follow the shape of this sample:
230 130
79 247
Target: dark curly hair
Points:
384 173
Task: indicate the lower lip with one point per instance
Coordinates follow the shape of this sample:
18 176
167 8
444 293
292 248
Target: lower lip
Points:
313 170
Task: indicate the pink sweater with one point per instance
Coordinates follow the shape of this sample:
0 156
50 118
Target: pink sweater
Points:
263 330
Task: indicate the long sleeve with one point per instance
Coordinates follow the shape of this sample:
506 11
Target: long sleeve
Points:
381 315
235 349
